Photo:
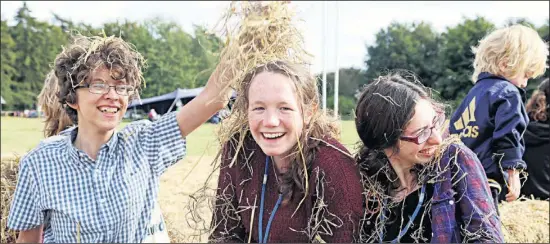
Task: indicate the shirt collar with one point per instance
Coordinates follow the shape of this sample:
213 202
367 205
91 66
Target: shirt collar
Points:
77 153
485 75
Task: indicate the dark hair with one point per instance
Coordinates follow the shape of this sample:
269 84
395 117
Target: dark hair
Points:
75 64
537 106
383 111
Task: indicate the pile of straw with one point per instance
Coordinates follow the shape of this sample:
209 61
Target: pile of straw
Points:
525 221
8 181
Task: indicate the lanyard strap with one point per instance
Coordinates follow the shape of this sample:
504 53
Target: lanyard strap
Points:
411 219
262 238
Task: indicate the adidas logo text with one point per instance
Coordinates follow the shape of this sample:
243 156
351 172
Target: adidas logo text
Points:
462 124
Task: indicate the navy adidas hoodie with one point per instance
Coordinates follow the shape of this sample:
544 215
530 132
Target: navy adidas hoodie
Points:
491 121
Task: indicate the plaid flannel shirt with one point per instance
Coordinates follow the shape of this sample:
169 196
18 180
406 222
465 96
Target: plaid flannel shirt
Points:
106 200
462 208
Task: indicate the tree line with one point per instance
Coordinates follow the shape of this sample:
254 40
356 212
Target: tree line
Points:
176 58
443 61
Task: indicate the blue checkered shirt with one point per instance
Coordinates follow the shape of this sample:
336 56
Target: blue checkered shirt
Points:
106 200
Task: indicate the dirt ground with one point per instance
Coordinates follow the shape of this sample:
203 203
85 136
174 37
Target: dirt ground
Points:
174 196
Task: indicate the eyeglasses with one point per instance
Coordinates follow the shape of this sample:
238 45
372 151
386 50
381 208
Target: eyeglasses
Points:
426 133
103 88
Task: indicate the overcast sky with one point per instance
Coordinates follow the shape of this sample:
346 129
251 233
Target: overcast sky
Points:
357 25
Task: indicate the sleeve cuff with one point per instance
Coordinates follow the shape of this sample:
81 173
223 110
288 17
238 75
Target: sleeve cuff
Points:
512 159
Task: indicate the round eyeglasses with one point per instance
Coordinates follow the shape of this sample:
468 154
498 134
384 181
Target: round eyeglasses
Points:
103 88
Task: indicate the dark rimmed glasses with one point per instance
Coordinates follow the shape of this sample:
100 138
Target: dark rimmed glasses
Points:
427 132
103 88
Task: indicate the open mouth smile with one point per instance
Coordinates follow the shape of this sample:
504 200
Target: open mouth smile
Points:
272 136
111 110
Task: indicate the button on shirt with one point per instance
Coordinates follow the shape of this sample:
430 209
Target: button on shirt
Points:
106 200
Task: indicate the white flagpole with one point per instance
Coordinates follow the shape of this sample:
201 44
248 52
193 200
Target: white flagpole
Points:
337 71
324 55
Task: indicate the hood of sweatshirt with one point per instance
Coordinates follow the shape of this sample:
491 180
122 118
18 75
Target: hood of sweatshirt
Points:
537 133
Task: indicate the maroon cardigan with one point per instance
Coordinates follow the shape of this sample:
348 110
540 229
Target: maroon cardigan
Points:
342 199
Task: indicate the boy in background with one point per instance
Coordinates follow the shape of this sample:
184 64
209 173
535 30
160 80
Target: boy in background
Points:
492 118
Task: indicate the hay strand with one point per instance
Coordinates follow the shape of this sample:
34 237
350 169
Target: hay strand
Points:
264 32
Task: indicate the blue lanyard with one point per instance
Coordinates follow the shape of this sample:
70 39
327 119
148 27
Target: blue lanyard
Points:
411 219
262 238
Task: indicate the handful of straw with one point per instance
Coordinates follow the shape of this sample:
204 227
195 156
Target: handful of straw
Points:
264 33
256 33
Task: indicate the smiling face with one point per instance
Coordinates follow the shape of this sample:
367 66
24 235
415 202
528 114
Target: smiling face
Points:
425 118
274 116
100 112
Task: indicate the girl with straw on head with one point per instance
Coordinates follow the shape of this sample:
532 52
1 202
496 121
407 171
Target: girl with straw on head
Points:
283 175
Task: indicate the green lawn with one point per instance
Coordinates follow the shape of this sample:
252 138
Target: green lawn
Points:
19 135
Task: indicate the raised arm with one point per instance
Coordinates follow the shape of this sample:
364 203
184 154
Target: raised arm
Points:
163 141
205 105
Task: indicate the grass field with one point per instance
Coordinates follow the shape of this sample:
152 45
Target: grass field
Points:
19 135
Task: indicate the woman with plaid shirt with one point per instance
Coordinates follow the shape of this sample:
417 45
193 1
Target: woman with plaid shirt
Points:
418 187
97 184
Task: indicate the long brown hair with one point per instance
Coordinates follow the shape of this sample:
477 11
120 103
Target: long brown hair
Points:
235 131
537 106
56 119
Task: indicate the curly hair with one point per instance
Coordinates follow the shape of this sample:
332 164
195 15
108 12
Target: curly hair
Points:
537 106
517 48
74 65
320 124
